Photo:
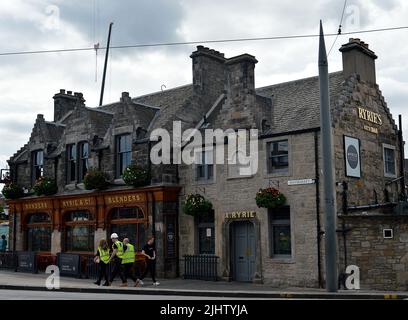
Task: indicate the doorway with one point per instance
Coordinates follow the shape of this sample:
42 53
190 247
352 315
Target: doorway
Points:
243 251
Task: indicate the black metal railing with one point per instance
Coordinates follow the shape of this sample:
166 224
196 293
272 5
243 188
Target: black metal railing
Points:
90 270
8 260
201 267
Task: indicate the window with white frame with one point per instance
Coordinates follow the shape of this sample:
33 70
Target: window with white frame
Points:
83 160
389 161
123 153
204 164
37 167
71 163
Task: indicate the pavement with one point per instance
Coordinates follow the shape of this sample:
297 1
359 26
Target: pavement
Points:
10 280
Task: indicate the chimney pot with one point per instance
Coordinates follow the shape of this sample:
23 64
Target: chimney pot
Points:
62 91
69 92
358 59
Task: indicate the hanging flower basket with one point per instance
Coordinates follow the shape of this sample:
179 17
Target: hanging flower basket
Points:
96 179
196 204
270 198
135 176
45 186
12 191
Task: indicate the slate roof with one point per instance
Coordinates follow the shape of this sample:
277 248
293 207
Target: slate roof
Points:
172 104
296 105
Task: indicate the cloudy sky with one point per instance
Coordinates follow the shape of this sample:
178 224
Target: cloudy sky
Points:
28 82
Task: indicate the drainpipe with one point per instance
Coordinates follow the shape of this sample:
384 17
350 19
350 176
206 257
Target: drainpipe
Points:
318 225
56 169
402 169
343 223
153 214
14 229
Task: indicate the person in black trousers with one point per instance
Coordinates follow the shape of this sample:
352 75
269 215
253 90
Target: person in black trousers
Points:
102 259
116 257
149 251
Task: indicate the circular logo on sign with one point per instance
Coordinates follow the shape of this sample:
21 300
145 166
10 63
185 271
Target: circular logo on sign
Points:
170 236
352 157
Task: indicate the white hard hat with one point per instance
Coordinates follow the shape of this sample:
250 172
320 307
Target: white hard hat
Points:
114 236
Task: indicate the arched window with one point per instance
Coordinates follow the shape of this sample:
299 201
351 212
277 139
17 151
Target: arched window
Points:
78 231
129 223
38 232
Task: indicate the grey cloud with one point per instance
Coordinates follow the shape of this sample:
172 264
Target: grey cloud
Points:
139 21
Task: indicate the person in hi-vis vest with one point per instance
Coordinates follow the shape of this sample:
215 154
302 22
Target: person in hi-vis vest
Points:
116 257
128 260
102 259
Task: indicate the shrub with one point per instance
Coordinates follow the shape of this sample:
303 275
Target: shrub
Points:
96 179
196 204
135 176
269 198
45 186
12 191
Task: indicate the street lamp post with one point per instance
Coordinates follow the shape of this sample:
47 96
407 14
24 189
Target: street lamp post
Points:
328 172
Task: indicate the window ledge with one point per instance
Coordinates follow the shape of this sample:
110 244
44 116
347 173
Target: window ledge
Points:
240 177
81 186
277 175
119 182
70 186
202 182
282 260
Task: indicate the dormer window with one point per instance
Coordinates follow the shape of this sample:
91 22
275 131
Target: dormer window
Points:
71 163
123 153
37 169
83 160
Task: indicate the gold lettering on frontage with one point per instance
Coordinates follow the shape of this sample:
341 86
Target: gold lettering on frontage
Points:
369 116
124 199
240 215
76 202
35 206
370 129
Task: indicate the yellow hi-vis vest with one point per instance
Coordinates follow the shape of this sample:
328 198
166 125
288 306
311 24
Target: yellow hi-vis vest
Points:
119 253
129 254
103 255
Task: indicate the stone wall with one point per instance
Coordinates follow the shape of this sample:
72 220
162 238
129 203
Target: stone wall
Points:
238 194
383 262
346 121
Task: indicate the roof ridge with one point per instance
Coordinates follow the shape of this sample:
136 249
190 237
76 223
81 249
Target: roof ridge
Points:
158 92
297 80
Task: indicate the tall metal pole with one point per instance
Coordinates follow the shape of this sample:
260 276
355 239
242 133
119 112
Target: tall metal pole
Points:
328 172
106 64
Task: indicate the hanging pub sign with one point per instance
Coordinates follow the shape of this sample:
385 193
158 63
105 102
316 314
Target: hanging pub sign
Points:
352 157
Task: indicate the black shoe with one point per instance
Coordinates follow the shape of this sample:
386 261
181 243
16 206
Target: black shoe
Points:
106 284
97 283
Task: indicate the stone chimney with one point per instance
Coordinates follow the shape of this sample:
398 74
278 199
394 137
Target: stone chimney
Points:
208 75
65 102
125 98
358 59
240 78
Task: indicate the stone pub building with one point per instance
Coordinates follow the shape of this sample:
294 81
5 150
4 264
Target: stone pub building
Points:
281 247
